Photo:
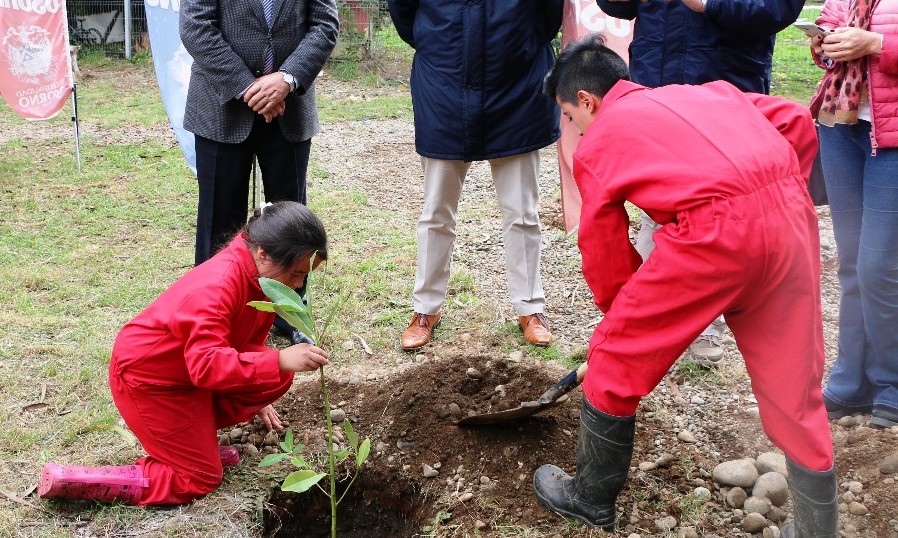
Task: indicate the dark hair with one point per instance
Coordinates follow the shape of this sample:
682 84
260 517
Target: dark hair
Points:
586 64
286 231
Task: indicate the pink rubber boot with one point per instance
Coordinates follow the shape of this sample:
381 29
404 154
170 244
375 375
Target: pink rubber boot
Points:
230 456
124 484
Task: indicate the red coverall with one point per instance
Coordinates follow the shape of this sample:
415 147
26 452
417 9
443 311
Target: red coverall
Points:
192 362
726 173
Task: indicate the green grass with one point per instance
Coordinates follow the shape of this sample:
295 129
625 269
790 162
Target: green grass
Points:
794 73
364 107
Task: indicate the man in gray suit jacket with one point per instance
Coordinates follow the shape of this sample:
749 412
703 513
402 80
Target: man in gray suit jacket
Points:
252 94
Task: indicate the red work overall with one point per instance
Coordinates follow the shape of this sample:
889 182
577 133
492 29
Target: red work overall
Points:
720 170
195 361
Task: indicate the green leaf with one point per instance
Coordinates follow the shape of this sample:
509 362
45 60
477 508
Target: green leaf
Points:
264 306
287 443
271 459
335 307
300 463
300 481
280 293
351 435
297 319
362 455
340 455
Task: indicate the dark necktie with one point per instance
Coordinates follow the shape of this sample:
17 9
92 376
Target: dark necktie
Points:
268 8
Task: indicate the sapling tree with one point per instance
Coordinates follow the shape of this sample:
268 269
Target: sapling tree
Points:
298 312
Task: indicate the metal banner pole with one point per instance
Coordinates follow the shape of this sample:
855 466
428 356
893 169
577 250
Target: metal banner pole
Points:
75 126
128 29
257 185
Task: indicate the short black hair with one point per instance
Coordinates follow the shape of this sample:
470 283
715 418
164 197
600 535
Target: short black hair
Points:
586 64
286 231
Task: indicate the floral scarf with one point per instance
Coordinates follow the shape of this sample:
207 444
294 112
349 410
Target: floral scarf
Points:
846 81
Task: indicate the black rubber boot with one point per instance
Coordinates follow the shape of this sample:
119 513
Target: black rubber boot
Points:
604 449
814 501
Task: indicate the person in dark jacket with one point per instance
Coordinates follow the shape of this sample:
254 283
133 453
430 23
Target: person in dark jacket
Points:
476 86
694 42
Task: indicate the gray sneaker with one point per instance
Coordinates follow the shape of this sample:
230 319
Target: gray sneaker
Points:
706 350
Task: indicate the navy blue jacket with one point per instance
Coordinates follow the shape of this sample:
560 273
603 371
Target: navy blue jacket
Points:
477 75
732 40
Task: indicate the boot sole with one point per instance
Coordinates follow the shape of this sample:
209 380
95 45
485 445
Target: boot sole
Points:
883 422
604 526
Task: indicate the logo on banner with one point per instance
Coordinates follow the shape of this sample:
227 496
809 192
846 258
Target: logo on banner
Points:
29 53
591 18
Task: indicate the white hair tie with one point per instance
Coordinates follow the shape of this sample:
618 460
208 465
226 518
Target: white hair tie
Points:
263 206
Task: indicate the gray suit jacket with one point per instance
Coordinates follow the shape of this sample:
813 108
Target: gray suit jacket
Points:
227 40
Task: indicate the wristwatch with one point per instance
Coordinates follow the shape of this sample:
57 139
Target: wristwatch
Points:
290 80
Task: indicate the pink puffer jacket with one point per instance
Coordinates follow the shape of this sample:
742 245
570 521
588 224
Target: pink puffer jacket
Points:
882 79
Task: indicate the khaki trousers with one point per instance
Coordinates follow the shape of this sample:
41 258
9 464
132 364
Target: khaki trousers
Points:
515 180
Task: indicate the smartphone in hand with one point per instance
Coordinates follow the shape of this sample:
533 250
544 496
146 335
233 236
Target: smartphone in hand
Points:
810 29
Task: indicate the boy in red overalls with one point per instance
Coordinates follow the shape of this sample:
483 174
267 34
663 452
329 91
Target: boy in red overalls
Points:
726 174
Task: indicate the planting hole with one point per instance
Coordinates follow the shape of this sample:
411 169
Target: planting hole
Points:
376 507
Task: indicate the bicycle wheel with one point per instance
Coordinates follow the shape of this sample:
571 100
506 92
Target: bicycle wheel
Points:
94 37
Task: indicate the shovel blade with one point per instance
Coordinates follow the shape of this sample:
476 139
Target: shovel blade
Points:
526 409
497 417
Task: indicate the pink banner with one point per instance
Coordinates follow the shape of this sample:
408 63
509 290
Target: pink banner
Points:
583 17
35 72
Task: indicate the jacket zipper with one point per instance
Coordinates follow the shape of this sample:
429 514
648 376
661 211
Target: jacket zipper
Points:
873 144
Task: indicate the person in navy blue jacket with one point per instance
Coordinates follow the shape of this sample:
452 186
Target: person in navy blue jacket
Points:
694 42
476 85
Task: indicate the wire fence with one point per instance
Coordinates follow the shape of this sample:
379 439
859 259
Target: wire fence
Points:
369 46
115 28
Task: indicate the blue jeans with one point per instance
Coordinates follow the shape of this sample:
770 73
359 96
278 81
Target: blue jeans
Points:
863 197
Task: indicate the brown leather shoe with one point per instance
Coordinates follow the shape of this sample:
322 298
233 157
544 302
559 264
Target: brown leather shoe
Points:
536 329
419 331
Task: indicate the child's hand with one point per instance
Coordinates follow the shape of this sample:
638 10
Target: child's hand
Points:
270 418
302 358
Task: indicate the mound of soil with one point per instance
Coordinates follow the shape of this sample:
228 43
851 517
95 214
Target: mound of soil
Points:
425 471
429 476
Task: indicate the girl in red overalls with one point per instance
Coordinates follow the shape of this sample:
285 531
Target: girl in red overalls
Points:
195 361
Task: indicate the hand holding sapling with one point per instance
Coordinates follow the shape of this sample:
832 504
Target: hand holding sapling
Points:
302 358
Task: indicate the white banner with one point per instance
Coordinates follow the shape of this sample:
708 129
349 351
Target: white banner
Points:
172 64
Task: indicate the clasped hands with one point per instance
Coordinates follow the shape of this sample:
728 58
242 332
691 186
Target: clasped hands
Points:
266 95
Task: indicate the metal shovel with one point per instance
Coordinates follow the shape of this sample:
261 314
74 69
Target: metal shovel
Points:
556 394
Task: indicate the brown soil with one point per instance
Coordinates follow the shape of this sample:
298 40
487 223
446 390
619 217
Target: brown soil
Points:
407 417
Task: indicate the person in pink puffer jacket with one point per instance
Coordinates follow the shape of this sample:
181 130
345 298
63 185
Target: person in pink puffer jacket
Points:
856 108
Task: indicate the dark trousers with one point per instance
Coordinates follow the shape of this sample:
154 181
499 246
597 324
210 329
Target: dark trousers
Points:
223 172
